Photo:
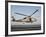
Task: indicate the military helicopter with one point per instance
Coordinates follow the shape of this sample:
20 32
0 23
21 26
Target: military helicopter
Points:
27 19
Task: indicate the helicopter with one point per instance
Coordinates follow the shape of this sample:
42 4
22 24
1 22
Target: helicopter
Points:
27 19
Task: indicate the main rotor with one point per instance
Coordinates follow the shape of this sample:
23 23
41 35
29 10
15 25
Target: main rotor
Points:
26 15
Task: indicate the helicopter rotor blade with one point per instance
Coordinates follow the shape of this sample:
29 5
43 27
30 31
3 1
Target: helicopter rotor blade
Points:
24 14
21 14
34 12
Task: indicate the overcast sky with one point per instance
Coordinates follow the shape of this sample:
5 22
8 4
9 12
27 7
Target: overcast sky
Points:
27 10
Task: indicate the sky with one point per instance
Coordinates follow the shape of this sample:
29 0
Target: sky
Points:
27 10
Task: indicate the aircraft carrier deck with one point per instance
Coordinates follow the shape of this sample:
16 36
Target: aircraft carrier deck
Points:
25 27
